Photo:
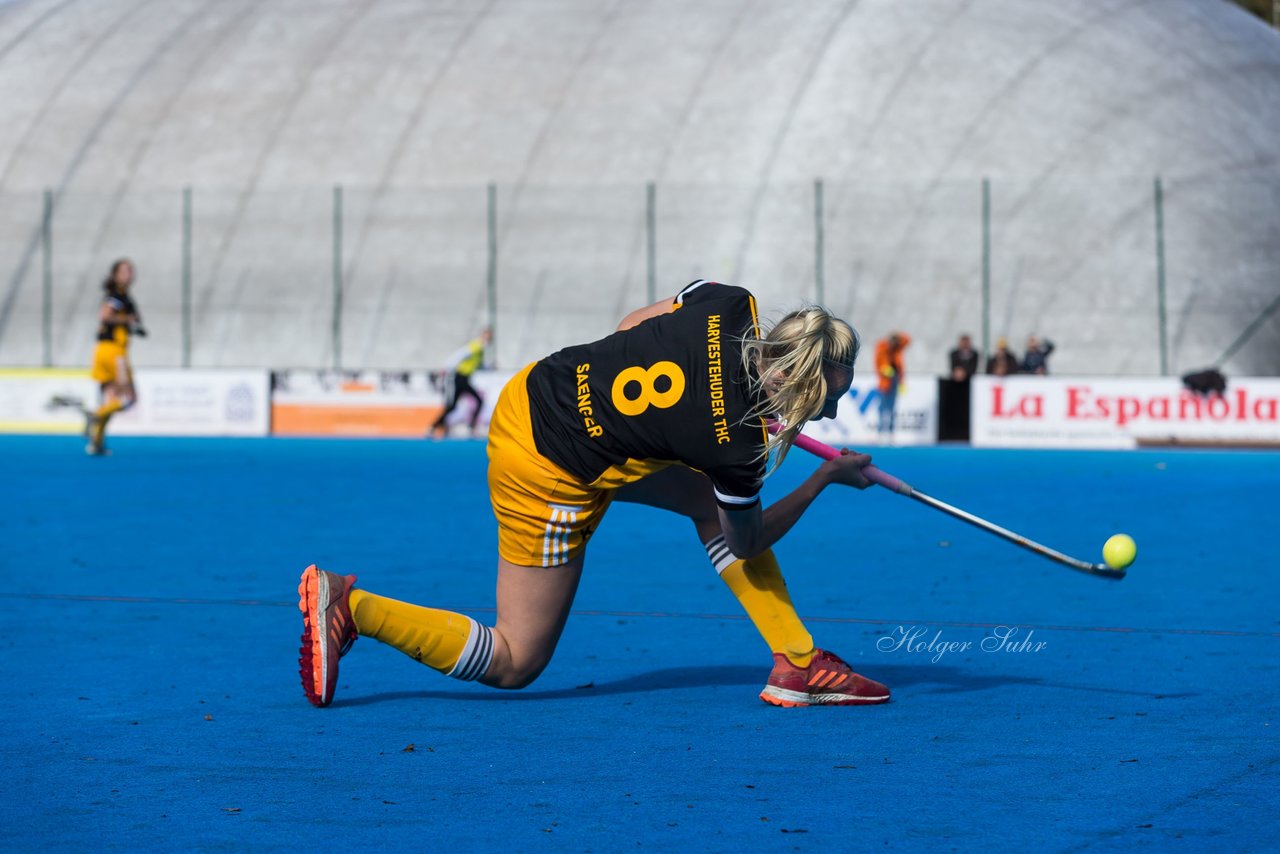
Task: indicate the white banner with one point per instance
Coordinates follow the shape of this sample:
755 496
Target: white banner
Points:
363 387
1115 412
197 402
858 418
42 400
171 402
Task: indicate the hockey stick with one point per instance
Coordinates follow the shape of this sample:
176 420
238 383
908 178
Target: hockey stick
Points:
888 481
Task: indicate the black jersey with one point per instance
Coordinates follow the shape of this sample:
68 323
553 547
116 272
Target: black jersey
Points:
672 388
117 332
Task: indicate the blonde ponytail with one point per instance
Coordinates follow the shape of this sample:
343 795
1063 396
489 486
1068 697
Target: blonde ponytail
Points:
787 371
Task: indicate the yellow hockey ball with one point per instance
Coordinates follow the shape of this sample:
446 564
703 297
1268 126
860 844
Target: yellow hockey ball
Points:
1119 551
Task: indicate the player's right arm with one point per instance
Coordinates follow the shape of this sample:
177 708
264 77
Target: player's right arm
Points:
113 311
750 530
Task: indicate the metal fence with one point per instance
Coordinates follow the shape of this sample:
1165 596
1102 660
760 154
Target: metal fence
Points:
1138 276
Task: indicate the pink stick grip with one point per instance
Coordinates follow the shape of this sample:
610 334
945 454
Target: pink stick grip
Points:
875 475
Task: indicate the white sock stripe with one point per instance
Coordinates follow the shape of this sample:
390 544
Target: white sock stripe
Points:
725 562
485 657
467 649
719 553
480 658
476 655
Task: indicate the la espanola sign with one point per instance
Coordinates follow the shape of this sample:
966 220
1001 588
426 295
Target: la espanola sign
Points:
1117 412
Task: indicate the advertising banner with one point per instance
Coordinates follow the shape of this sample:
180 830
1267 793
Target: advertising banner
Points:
42 400
197 402
1117 412
858 419
171 402
374 403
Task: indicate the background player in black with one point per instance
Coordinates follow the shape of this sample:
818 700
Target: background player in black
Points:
670 412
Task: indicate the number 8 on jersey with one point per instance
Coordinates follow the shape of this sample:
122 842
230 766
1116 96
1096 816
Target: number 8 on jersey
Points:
647 379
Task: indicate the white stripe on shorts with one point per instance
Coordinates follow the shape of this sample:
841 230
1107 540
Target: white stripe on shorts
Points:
555 540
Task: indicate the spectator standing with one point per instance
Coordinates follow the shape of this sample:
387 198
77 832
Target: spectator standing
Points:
1036 359
1003 361
964 360
891 371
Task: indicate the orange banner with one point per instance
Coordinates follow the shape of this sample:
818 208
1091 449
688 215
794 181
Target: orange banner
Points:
311 419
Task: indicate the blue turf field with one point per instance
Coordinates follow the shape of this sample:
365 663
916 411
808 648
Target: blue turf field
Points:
150 633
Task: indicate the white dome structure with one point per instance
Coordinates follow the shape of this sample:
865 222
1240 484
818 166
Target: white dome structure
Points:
737 113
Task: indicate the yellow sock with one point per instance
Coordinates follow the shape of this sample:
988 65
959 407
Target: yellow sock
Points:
104 413
759 586
454 644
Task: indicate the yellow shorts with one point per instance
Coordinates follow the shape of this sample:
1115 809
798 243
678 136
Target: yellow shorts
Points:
545 515
110 364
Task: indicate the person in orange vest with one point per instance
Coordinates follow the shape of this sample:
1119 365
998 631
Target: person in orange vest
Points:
891 372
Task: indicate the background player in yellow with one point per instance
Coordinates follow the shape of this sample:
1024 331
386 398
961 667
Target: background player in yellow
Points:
118 319
670 411
457 378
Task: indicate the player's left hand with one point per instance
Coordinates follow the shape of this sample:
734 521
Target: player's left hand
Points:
847 468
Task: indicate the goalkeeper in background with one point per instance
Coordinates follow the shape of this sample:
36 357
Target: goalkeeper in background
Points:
118 320
462 364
